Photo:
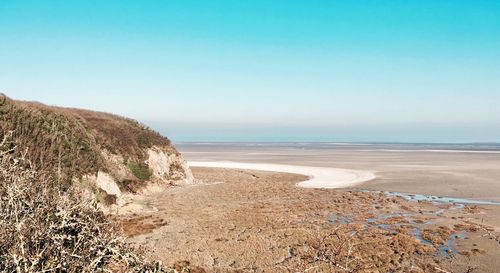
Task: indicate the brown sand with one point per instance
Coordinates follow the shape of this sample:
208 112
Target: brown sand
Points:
255 221
453 174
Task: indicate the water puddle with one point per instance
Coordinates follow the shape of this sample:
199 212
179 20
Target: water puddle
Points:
391 222
339 219
440 199
417 232
412 222
450 245
415 223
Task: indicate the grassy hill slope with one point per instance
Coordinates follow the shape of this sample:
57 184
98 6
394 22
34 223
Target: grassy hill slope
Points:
73 143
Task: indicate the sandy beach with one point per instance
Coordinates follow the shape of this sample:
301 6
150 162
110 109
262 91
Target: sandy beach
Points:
240 220
265 208
469 173
318 177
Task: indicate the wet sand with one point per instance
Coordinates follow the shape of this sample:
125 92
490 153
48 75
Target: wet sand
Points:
466 174
254 221
238 220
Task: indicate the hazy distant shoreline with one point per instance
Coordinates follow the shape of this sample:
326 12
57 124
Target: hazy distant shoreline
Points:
462 171
387 147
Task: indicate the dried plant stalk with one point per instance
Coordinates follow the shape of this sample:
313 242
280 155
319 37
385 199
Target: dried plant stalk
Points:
45 230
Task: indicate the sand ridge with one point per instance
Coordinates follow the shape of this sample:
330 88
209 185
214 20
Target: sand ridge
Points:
319 177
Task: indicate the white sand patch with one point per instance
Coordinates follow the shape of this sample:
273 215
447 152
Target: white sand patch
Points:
319 177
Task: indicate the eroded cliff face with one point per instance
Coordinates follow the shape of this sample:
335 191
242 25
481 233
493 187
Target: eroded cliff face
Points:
101 155
118 182
168 167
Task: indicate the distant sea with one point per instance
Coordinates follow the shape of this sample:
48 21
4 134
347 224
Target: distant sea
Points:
437 147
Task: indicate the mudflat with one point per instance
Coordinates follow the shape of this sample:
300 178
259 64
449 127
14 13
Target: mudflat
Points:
462 173
237 220
254 221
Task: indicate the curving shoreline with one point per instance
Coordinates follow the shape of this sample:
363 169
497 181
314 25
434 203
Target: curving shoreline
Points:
319 177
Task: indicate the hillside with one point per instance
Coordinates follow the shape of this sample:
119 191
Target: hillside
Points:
102 153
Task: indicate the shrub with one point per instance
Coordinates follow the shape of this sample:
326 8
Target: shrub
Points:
69 143
140 171
44 230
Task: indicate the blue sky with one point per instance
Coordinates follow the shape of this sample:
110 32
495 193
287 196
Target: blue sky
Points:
409 71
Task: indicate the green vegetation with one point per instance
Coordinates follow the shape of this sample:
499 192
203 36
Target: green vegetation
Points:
54 142
144 141
44 230
69 143
46 222
140 171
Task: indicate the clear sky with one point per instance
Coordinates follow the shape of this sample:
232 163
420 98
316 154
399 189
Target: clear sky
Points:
409 71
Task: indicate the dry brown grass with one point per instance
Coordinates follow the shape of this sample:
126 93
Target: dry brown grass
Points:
118 134
45 230
55 143
353 250
68 143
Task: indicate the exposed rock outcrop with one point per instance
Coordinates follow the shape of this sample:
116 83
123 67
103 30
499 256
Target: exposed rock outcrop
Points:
166 166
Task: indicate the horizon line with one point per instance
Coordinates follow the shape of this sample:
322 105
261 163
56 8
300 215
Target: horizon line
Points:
336 142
